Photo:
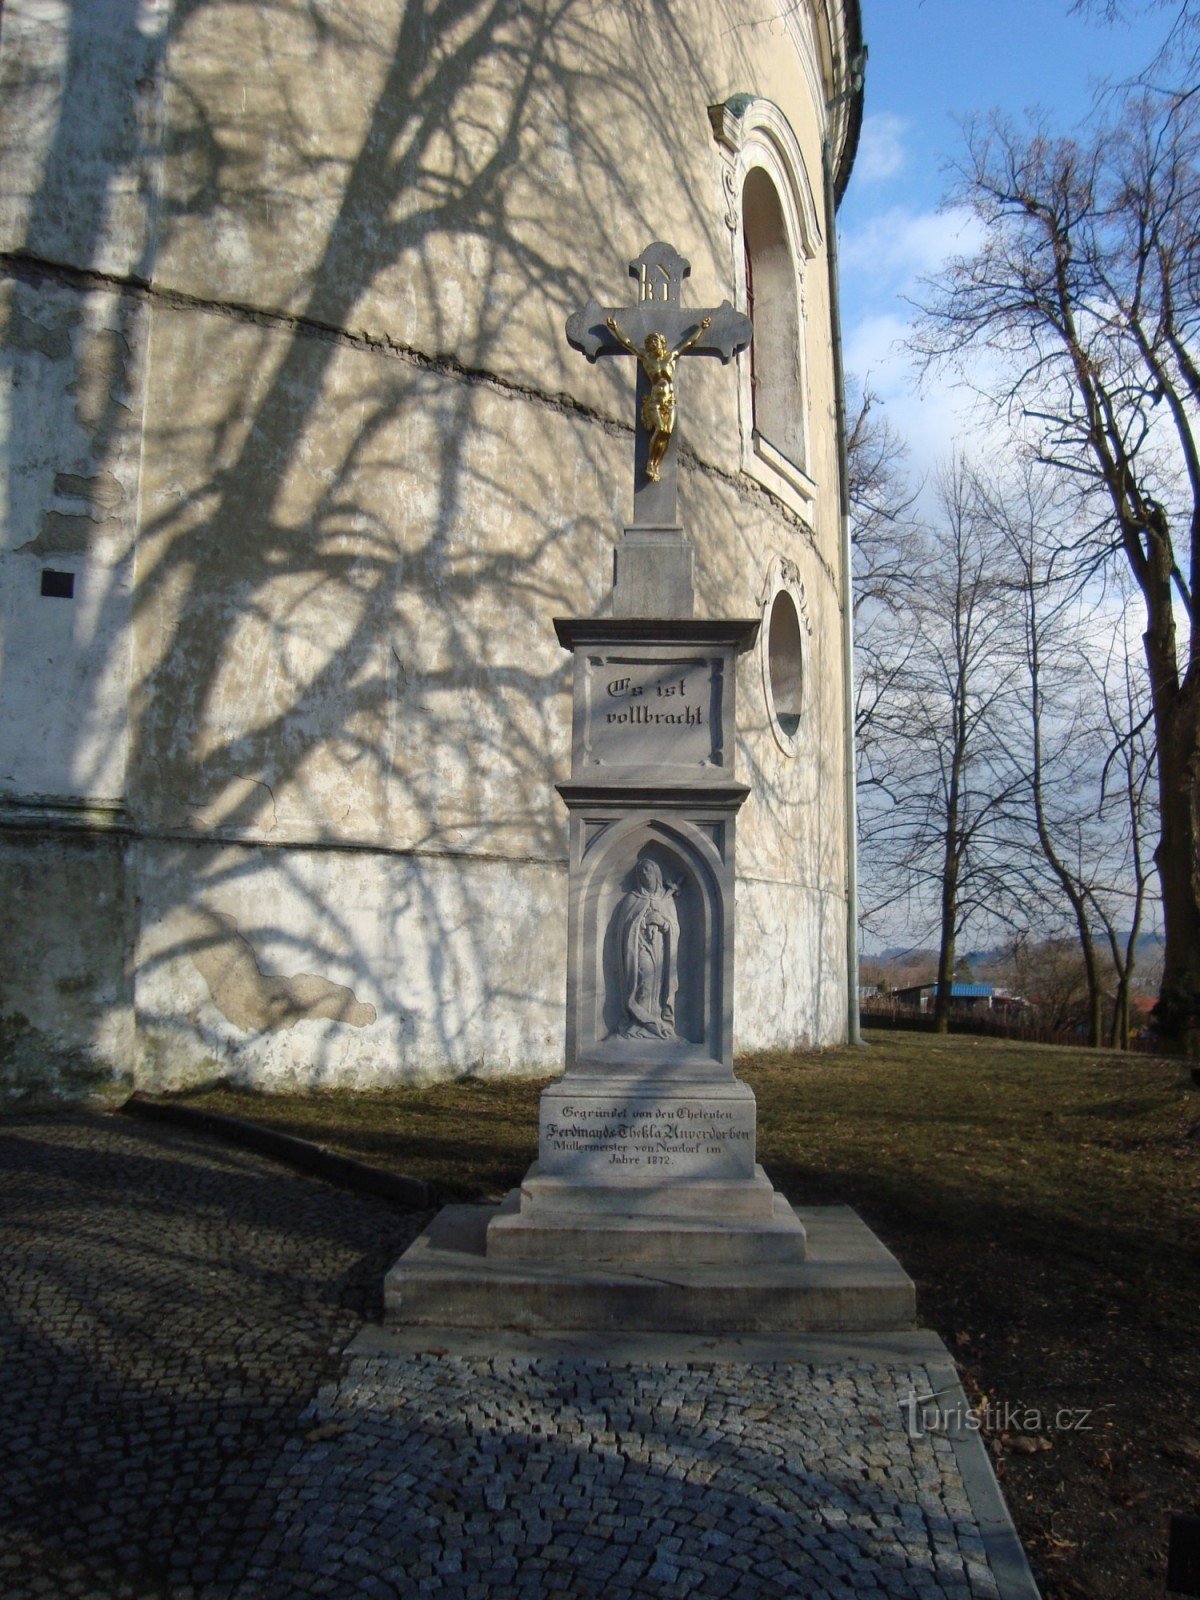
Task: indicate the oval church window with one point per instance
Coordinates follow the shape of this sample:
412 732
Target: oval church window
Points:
785 664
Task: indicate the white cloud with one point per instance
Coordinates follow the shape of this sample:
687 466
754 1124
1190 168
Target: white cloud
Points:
936 415
906 244
881 153
871 350
882 259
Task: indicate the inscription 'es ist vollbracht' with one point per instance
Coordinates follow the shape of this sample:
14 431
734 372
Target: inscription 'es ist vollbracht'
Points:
650 709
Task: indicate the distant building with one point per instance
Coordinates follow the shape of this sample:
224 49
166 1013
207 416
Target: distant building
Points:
963 997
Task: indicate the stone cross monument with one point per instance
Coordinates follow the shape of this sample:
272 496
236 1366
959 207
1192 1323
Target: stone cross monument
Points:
646 1144
646 1208
653 562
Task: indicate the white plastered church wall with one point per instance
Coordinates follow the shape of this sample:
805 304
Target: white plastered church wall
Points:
318 322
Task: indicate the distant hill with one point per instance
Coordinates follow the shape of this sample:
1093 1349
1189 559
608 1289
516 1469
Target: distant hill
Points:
1147 944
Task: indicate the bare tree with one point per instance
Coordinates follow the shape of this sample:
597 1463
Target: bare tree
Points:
1084 303
1049 973
889 555
882 497
935 807
1179 52
1128 798
1058 748
890 552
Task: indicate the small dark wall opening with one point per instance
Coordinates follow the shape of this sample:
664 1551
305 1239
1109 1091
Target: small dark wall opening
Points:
775 359
58 585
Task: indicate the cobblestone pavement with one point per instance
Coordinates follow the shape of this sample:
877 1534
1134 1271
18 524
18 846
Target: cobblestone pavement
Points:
178 1419
528 1476
168 1308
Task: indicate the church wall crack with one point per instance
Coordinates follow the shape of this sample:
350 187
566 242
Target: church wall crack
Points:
35 270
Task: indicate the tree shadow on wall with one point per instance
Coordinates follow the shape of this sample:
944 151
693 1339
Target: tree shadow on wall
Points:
365 492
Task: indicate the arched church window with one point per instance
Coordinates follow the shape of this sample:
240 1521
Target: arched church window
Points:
776 355
772 214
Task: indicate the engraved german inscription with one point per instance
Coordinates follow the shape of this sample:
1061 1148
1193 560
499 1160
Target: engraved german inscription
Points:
651 712
642 704
663 1139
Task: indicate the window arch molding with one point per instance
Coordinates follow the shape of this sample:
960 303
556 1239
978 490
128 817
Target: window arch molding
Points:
755 137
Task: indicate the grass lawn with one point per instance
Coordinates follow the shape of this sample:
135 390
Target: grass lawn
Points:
1046 1200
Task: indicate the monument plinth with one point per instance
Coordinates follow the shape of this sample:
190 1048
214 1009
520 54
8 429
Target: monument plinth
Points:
646 1144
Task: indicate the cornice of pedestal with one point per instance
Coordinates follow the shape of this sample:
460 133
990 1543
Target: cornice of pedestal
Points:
627 791
739 632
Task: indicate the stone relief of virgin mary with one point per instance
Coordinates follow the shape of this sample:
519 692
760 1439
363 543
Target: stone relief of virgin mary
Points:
648 945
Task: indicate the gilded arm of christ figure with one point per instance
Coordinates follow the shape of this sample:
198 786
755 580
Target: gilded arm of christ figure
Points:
658 362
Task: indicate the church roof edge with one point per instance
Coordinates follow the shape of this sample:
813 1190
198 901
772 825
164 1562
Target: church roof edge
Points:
855 58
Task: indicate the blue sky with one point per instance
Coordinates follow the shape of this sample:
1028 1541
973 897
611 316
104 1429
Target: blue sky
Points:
931 63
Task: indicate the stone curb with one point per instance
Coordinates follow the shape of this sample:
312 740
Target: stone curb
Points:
901 1347
315 1159
1005 1552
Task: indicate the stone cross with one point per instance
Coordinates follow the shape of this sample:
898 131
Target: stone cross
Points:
659 332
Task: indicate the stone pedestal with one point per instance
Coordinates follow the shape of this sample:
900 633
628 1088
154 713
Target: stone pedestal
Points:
646 1145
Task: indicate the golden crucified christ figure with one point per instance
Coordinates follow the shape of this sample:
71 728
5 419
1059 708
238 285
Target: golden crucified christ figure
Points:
658 408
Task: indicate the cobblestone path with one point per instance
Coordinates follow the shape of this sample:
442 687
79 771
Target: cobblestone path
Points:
179 1419
168 1308
533 1477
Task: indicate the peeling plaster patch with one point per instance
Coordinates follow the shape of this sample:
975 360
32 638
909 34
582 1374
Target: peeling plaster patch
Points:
104 368
62 533
71 532
256 1002
104 491
26 333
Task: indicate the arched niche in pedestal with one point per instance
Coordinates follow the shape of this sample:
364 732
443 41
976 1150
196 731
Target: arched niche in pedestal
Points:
652 938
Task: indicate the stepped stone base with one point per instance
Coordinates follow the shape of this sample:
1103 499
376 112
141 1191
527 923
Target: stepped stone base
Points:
632 1241
631 1223
452 1277
552 1197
